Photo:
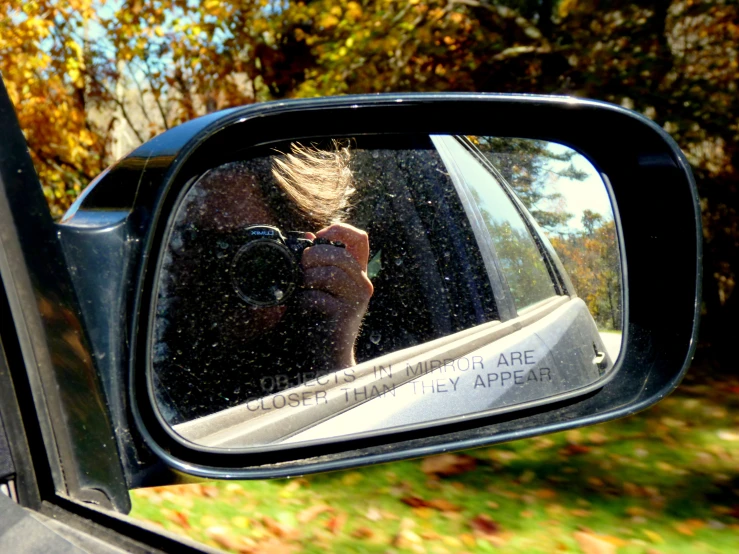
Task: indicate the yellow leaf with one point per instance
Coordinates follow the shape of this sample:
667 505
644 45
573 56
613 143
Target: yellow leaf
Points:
454 542
353 11
352 478
635 511
730 436
329 21
208 521
423 513
654 537
592 544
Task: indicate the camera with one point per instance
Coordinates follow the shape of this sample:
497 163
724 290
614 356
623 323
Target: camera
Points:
266 270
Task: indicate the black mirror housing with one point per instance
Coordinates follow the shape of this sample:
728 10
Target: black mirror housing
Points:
113 235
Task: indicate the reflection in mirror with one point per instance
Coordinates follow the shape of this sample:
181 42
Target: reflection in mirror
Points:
350 287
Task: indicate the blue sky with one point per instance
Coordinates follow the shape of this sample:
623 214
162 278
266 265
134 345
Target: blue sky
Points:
588 194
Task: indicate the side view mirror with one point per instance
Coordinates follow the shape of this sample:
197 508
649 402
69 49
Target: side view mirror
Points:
318 284
441 298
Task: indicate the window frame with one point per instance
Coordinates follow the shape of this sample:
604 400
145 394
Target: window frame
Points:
498 279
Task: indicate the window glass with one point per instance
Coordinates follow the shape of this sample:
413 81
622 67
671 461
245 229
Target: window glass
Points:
520 259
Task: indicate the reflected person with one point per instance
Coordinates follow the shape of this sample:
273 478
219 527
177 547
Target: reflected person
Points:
213 347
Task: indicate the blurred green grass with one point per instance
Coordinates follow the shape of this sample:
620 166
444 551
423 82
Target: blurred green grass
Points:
663 481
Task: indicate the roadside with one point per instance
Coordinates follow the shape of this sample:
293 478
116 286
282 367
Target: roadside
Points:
663 481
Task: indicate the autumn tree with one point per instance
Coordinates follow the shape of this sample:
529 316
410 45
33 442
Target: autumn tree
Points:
526 165
43 63
591 258
81 74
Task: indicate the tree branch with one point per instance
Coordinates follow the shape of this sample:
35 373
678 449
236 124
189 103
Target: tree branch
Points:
156 95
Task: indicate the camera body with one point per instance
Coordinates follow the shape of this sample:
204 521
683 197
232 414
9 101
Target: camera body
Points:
266 269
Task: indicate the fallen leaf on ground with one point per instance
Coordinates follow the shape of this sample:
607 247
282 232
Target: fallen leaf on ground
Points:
484 525
423 513
437 504
595 482
240 522
351 479
578 512
597 438
413 501
373 514
451 541
502 455
592 544
363 533
443 505
406 539
336 523
574 450
684 529
220 536
208 521
209 491
545 494
407 523
615 541
445 465
309 514
653 536
636 511
630 489
177 517
728 436
278 529
526 477
271 546
673 423
291 487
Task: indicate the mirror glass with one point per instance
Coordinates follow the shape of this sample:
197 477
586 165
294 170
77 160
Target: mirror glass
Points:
329 289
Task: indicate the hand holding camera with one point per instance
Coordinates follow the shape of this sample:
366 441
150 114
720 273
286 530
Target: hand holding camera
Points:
328 269
336 284
266 270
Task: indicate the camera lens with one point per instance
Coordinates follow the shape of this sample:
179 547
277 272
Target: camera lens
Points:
264 273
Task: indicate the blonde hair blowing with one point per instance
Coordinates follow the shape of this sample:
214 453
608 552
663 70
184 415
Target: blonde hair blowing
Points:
318 182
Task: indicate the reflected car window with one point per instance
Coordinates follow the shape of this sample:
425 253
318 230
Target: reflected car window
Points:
520 260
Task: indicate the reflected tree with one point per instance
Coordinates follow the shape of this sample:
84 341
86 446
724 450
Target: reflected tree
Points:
591 258
527 167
